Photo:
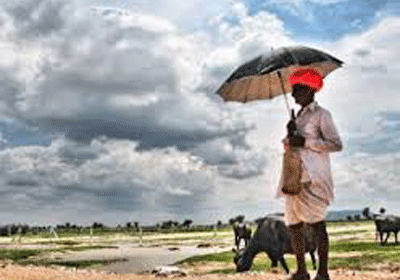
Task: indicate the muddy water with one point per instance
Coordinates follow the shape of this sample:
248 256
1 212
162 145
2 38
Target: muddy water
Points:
139 259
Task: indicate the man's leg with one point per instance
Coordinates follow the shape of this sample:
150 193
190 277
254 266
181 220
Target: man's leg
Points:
298 243
319 230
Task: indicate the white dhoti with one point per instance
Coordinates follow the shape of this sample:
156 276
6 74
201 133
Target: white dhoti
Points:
308 206
315 124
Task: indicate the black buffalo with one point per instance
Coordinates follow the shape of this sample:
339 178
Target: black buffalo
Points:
386 224
272 236
241 232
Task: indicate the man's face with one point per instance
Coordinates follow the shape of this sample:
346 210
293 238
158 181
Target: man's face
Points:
303 95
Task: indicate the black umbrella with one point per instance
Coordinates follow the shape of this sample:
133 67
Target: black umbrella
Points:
267 76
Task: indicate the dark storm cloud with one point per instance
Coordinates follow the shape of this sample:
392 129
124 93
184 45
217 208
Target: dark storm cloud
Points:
107 175
113 74
37 17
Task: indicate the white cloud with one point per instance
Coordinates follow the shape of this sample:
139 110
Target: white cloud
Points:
367 83
109 65
132 75
106 176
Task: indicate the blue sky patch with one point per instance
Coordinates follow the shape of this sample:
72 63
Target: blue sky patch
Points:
320 22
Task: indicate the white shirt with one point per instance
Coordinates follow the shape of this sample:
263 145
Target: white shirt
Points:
315 124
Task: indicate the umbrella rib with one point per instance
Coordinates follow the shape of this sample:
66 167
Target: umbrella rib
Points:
246 92
293 56
269 86
283 90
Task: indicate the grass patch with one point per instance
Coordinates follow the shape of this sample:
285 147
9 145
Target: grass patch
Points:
21 256
261 262
90 247
224 257
78 264
348 232
366 261
341 247
18 255
222 271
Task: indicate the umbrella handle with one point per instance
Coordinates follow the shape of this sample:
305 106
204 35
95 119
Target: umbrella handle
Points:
283 90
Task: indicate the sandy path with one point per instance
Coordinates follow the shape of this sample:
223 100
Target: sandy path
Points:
12 272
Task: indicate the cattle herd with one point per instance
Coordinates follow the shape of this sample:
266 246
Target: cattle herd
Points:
272 237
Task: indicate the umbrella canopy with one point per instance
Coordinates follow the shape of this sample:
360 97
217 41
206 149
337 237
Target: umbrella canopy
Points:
267 76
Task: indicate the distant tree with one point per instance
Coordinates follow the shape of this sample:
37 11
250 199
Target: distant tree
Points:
357 217
349 218
240 218
167 224
366 213
382 210
128 225
187 223
97 225
60 226
219 224
232 221
67 225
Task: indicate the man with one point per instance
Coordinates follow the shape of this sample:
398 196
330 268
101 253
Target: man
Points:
314 135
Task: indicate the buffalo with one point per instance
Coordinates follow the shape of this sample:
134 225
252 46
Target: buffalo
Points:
241 232
273 237
387 224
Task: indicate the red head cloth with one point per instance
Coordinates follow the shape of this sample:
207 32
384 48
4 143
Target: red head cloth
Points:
308 77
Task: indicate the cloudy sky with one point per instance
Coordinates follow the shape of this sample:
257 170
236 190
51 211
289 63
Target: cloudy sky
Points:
108 109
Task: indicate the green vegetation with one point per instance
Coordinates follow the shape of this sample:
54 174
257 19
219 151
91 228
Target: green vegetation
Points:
23 256
76 263
18 254
352 246
225 257
348 232
362 253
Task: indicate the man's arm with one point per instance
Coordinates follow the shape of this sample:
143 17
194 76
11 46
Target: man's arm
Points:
329 140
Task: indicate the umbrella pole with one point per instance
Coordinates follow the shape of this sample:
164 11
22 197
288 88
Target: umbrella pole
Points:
287 105
284 94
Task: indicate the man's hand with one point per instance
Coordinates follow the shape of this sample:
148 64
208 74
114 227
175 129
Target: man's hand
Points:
297 141
291 127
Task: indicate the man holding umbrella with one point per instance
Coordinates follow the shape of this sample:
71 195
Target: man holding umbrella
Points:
313 134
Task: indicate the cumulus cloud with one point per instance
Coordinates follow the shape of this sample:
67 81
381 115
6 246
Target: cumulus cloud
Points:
106 72
104 176
367 84
147 135
368 180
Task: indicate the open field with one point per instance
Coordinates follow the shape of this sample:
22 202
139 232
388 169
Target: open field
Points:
203 255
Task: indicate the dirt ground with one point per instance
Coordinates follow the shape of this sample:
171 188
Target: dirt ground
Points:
16 272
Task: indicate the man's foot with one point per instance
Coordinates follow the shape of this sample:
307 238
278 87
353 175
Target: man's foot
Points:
299 276
322 277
